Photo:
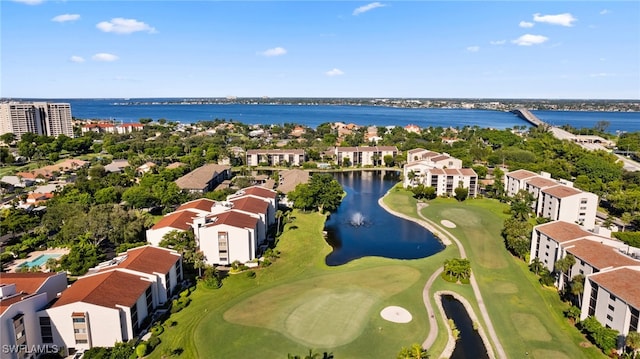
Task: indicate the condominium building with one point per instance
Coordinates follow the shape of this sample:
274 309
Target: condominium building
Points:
556 200
204 179
364 156
225 231
41 118
613 298
440 171
115 300
22 295
275 157
610 267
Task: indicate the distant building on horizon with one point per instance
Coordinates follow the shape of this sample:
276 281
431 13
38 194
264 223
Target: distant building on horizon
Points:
40 118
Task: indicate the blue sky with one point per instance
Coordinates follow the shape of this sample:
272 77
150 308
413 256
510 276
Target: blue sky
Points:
480 49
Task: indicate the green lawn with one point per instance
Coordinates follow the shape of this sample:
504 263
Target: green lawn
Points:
527 317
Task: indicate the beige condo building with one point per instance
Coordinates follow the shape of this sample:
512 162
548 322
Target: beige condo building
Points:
41 118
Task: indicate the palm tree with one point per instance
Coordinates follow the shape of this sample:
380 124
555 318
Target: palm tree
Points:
563 266
415 351
633 341
577 287
279 215
536 265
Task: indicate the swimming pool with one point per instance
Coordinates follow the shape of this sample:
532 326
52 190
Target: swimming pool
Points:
39 260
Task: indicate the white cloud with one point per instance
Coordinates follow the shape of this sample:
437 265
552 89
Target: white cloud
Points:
565 19
276 51
528 40
473 48
30 2
77 59
526 24
334 72
120 25
66 17
104 57
605 12
365 8
498 42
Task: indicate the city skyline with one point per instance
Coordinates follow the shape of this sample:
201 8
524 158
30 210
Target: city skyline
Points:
116 49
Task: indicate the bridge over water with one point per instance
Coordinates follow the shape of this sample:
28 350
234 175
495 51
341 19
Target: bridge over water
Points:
526 115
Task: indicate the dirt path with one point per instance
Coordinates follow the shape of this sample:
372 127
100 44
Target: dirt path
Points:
446 238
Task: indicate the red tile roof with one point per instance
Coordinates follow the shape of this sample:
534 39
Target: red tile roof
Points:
440 158
250 204
203 204
27 283
599 255
541 182
234 219
623 283
521 174
468 172
260 192
561 191
561 231
178 220
106 289
150 260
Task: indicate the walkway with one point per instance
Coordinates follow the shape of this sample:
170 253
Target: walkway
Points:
446 239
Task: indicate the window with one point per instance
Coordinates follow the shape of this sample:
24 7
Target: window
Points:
611 307
80 330
78 320
633 323
45 330
81 341
609 318
612 297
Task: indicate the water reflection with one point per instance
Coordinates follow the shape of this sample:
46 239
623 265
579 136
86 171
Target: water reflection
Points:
360 227
469 344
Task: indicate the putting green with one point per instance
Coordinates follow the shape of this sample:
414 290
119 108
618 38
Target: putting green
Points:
330 319
325 311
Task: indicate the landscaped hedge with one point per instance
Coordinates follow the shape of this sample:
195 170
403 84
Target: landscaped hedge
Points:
630 238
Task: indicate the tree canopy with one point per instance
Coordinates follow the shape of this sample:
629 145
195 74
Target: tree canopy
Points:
322 193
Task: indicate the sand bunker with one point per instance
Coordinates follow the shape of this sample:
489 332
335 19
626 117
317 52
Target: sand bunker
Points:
448 223
396 314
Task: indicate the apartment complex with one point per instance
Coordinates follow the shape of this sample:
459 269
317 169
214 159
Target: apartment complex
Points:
110 127
22 295
611 269
114 301
225 231
556 200
440 171
204 178
41 118
275 157
363 156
